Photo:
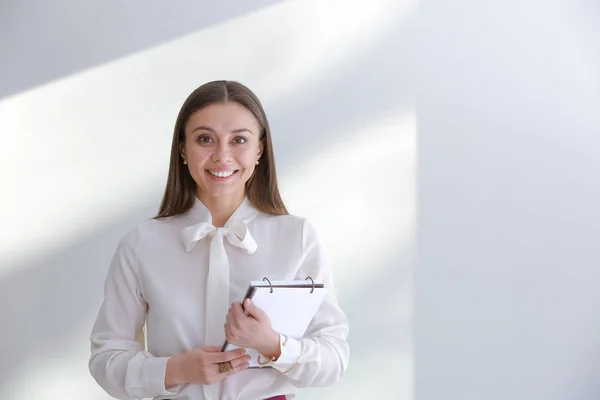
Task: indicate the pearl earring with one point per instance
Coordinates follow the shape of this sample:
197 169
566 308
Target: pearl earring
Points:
184 162
256 163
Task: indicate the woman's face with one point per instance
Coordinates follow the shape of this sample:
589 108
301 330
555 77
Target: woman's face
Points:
222 145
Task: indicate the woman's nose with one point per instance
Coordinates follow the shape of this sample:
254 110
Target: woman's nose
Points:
222 152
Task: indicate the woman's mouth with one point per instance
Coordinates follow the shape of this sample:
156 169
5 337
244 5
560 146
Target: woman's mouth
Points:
222 174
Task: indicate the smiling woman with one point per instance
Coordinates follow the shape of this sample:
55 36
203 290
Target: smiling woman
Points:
221 158
222 128
221 224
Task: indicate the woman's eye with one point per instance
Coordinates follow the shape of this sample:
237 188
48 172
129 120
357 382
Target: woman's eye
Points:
205 139
240 140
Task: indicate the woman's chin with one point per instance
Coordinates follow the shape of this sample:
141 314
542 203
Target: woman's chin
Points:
210 191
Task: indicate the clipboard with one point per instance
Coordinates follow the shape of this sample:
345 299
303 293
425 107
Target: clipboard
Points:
290 305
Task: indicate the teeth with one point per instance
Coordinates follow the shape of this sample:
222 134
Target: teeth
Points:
221 174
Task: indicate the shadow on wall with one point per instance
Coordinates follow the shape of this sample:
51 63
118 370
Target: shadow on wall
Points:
379 311
88 35
42 301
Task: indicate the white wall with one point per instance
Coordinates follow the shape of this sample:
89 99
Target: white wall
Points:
90 98
42 41
507 284
507 100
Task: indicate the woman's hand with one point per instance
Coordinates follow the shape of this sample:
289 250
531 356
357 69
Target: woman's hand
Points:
251 329
200 365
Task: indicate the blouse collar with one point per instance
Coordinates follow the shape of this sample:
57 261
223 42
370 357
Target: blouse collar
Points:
200 213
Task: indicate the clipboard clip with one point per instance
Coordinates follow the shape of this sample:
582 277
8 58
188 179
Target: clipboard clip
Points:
313 283
312 289
270 284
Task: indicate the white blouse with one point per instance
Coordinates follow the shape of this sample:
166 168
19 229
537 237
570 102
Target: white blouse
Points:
165 274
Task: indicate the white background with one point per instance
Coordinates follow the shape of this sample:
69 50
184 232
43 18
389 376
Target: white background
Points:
456 142
508 114
91 92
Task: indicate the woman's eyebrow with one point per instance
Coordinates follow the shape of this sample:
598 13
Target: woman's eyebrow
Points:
206 128
203 128
240 130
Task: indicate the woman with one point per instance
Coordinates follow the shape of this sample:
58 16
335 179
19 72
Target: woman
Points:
221 224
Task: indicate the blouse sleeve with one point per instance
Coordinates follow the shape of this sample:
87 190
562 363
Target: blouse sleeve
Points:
321 357
118 361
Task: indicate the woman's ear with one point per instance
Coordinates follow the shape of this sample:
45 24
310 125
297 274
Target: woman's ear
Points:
261 147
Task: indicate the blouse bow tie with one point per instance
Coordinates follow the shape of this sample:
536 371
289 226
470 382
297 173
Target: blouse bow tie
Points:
235 231
217 284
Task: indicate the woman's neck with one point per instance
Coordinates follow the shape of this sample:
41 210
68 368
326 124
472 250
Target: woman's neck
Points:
221 208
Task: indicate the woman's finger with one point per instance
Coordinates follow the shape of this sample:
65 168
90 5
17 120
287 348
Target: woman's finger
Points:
229 318
240 360
226 356
239 367
212 349
237 310
237 315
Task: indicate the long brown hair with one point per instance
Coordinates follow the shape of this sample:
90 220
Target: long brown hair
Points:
261 188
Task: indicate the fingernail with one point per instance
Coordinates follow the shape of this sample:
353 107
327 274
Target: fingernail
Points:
248 302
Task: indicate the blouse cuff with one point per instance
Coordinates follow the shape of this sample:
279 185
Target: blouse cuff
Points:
153 376
290 352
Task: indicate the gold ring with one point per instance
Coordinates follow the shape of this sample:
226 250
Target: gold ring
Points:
225 367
